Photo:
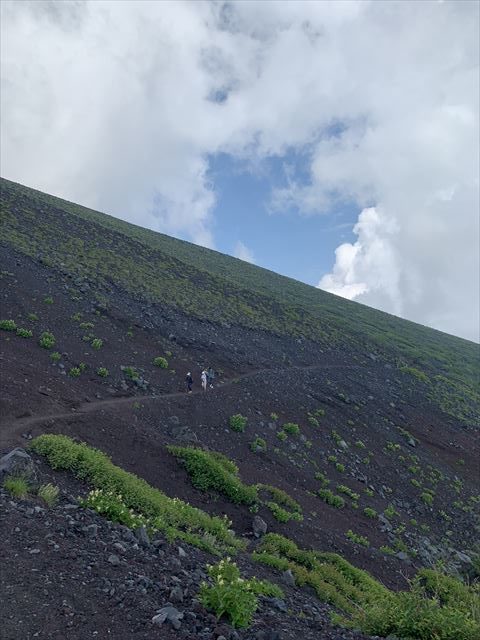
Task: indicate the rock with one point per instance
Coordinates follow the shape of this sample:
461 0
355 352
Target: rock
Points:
279 604
184 434
411 442
18 462
401 555
113 559
142 536
288 578
259 527
176 594
342 444
168 614
181 552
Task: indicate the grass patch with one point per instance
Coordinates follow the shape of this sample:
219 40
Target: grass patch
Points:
215 472
331 498
17 486
283 506
49 494
238 422
173 517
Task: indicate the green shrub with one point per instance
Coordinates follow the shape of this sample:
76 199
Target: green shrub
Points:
175 518
208 472
32 317
340 467
274 417
24 333
74 372
427 498
357 538
322 478
416 373
360 444
281 499
313 417
86 325
160 362
97 343
8 325
370 513
47 340
17 486
55 356
102 372
281 435
113 507
348 492
233 597
291 428
390 512
49 494
238 422
259 444
331 498
437 607
48 300
131 373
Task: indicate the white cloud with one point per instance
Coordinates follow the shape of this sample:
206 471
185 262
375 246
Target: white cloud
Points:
119 105
243 252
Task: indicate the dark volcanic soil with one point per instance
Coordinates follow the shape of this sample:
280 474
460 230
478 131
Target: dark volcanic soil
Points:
378 423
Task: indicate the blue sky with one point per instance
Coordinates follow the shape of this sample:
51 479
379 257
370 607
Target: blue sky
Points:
222 123
297 245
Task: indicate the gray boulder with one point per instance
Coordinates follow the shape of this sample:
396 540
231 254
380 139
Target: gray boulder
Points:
168 614
259 527
18 463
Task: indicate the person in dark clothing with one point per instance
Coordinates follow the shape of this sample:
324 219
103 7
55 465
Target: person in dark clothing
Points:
210 377
189 382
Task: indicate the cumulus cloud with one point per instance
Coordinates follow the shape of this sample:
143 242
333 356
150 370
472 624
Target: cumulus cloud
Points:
120 105
243 252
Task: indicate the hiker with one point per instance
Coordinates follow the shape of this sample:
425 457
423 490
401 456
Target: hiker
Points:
204 380
210 376
189 382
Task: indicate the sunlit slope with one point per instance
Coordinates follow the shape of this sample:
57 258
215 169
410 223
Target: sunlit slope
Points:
208 284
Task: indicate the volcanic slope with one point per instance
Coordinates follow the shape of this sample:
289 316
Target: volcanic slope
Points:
340 401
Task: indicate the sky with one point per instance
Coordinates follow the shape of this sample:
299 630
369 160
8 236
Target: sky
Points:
335 142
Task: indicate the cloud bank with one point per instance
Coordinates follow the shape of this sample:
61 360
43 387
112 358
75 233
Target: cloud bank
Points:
120 105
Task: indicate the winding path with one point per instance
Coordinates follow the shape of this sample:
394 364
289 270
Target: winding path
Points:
11 427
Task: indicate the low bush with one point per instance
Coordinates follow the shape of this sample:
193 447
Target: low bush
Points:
175 518
47 340
131 373
160 362
232 596
97 343
74 372
17 486
48 300
102 372
8 325
238 422
281 435
291 428
55 356
24 333
427 498
49 494
416 373
283 506
357 538
370 513
437 607
348 492
208 471
258 445
331 498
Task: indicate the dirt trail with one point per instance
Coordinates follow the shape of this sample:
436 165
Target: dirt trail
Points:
10 428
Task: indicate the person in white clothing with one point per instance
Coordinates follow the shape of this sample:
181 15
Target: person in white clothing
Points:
204 380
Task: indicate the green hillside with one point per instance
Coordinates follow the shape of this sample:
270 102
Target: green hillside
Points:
207 284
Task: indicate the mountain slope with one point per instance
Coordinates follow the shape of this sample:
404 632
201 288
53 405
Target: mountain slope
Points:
368 423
